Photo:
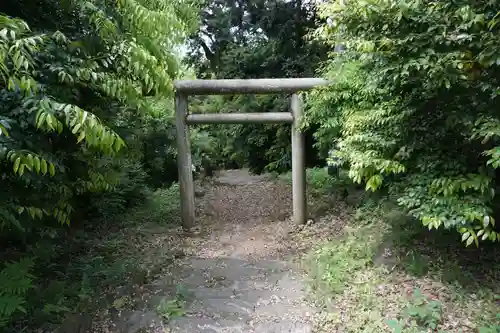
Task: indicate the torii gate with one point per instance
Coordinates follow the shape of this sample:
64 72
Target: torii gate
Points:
185 88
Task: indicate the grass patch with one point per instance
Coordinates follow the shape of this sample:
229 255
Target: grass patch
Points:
349 286
318 180
162 208
387 273
336 262
324 191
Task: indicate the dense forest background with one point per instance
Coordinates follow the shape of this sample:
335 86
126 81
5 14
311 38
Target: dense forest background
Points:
87 131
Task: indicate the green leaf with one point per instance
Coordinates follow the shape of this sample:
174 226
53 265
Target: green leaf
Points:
21 169
36 163
81 136
3 130
43 166
52 169
76 128
396 325
486 221
16 164
41 119
29 161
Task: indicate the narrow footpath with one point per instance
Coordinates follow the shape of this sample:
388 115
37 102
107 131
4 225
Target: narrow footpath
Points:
238 271
242 273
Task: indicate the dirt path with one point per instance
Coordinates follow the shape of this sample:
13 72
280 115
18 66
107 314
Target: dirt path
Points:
238 272
241 278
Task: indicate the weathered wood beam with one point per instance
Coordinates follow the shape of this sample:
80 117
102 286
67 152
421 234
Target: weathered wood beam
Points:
298 164
252 86
240 118
184 162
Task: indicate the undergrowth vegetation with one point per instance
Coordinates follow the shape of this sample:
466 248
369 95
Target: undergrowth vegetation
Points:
73 274
86 134
386 274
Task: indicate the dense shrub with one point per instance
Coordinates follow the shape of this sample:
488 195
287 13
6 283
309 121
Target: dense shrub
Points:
75 91
16 280
83 91
413 105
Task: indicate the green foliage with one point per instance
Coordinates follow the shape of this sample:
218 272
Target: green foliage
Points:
318 180
85 131
254 39
493 327
172 308
163 206
73 270
74 94
336 263
412 107
364 277
169 309
424 312
16 280
422 315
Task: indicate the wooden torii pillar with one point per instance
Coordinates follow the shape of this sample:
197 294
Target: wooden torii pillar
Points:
185 88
